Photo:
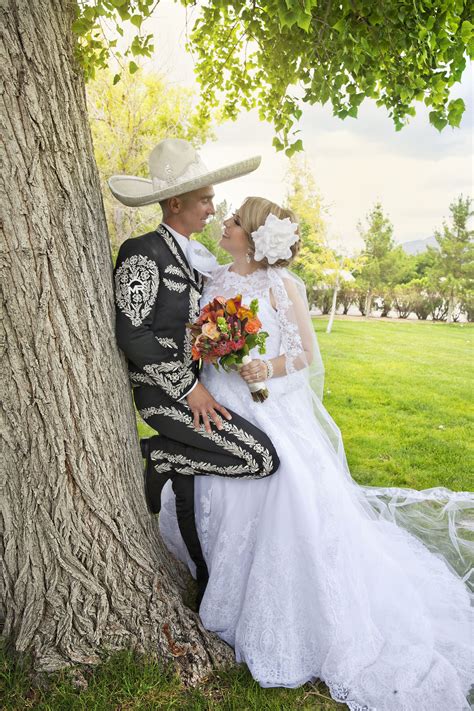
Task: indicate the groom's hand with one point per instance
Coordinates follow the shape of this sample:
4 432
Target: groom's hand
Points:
204 406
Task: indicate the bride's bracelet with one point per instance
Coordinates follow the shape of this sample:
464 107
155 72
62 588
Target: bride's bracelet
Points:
269 367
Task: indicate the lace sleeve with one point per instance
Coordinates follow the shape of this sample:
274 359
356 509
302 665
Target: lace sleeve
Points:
299 345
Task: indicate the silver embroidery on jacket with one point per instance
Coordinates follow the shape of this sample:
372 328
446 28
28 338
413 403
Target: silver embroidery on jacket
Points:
175 271
141 379
166 342
136 286
178 286
172 377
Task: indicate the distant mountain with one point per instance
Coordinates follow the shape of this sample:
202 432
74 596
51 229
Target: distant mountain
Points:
419 245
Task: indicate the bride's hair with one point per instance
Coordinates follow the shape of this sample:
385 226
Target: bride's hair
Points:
253 213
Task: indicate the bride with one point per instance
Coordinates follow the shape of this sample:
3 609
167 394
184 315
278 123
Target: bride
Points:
312 576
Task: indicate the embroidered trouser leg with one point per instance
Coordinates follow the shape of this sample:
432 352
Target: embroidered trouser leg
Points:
238 450
180 451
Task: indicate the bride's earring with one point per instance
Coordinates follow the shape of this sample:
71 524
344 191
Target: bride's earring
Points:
248 257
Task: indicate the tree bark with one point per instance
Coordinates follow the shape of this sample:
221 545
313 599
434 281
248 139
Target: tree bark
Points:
368 304
85 571
333 306
451 305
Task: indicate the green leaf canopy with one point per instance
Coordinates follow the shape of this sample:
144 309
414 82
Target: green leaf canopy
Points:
279 54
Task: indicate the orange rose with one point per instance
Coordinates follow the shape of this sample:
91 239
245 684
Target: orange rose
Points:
253 325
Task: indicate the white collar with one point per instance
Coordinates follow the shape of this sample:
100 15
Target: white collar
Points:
197 255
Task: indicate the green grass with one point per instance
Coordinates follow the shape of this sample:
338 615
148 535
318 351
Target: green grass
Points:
129 682
401 393
389 386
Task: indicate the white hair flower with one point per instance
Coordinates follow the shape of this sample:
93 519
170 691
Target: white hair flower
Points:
274 238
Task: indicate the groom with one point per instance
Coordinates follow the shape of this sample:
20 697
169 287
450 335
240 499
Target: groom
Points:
158 281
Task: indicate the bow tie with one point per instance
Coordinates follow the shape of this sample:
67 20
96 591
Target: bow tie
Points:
200 258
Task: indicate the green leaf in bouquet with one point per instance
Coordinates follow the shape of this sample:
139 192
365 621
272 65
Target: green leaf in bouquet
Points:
254 306
261 339
228 360
222 325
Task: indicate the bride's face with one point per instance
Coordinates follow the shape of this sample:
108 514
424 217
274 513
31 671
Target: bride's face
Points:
234 239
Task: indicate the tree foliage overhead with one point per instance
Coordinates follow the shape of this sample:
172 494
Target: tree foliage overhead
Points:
97 19
279 54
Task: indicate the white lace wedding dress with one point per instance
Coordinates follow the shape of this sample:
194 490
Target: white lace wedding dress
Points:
312 576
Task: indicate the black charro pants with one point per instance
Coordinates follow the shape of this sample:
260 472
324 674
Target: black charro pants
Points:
180 451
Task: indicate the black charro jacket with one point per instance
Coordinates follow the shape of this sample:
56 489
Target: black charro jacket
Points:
156 294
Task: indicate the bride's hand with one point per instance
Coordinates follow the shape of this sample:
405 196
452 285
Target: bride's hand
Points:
254 372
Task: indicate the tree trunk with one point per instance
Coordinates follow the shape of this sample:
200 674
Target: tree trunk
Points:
368 304
333 306
85 570
451 305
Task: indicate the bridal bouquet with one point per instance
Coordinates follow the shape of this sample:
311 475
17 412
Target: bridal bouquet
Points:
225 332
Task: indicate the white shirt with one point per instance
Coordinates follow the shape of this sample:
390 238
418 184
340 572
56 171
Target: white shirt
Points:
198 256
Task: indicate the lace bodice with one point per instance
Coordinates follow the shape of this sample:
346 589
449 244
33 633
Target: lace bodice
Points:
226 280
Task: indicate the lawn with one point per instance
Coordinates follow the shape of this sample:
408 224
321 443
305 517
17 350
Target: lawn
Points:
401 392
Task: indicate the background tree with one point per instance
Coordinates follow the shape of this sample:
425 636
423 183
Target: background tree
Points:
127 118
420 305
378 267
402 271
424 262
212 233
346 297
307 204
85 571
382 264
404 299
453 267
467 305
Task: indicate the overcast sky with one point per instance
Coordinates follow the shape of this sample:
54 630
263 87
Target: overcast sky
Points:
415 172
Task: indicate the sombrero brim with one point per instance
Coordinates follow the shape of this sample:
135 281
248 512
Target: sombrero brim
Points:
137 192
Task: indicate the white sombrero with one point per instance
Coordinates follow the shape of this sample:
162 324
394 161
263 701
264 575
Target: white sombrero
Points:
175 169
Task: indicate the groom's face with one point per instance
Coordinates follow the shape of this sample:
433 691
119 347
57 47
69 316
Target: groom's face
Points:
195 209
